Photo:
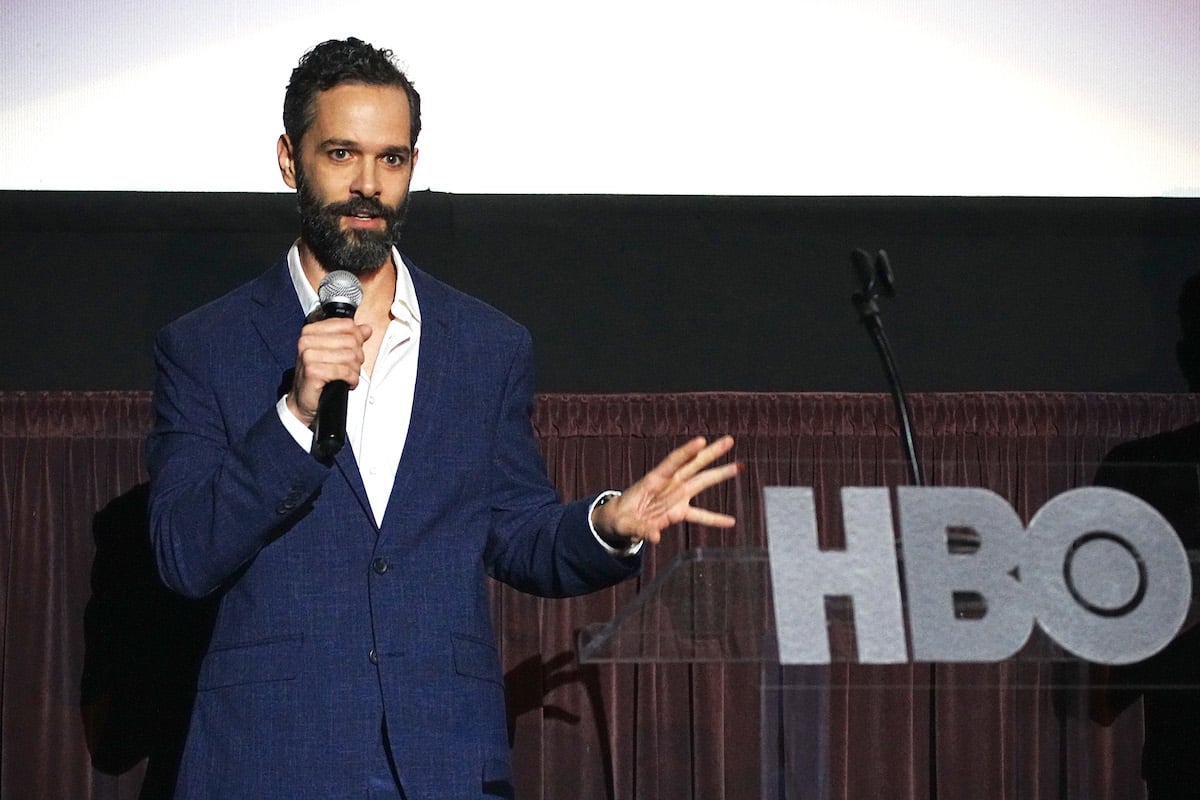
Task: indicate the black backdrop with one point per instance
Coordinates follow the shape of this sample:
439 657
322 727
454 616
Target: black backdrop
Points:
651 294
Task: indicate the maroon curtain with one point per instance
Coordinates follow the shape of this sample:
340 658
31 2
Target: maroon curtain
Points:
72 464
63 457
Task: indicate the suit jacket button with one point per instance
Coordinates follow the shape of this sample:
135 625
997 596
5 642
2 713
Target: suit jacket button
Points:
289 502
373 656
380 565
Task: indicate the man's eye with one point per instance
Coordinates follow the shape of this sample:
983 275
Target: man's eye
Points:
394 160
339 154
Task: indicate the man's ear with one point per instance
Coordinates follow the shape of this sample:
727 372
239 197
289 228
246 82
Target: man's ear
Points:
287 160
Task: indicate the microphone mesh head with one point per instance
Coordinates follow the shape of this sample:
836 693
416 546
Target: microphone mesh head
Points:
340 286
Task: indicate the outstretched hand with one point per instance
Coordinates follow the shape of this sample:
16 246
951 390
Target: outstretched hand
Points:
664 495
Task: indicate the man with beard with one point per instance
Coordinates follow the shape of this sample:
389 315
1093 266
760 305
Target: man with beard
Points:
353 654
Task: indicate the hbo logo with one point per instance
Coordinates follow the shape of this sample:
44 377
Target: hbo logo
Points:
1100 571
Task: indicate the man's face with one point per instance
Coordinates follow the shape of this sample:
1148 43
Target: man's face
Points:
352 174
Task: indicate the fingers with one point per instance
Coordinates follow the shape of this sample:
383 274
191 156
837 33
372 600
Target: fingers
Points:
329 350
685 461
678 458
651 533
689 478
706 456
710 477
679 477
713 519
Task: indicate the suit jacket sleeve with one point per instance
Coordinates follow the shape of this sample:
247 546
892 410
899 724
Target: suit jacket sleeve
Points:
536 544
221 489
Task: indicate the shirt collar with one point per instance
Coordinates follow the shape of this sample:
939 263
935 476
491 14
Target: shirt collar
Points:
404 307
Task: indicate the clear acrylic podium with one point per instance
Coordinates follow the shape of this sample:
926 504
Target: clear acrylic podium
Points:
714 606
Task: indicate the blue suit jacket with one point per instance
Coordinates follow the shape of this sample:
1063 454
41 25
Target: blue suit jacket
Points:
328 624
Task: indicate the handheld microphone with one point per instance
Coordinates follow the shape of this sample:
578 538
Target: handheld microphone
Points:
339 293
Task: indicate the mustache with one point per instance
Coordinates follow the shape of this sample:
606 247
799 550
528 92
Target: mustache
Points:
360 205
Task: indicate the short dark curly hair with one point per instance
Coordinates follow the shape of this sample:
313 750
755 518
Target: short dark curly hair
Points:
333 63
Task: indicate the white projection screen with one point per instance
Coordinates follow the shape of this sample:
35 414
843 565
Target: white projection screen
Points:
857 97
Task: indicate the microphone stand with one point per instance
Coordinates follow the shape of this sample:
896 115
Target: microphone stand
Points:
877 279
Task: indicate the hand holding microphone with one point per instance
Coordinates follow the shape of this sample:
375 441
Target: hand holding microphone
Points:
329 359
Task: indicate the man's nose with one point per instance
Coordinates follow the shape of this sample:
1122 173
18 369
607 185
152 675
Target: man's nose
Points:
366 181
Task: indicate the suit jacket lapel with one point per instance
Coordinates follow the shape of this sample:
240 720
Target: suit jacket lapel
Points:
278 316
435 357
349 468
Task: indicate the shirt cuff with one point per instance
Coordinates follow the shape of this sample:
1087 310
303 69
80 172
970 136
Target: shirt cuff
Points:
299 431
600 500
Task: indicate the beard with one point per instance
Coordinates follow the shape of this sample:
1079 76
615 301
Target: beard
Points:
356 251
